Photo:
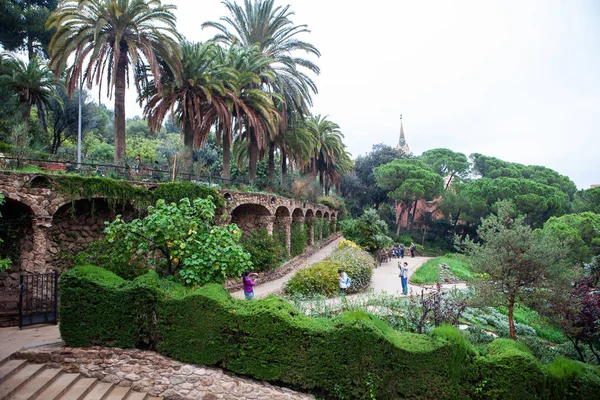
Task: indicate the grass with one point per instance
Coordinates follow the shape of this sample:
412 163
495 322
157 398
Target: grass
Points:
542 326
428 273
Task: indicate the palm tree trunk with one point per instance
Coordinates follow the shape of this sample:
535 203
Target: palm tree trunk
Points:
271 164
283 168
188 144
42 117
253 155
26 114
120 107
226 173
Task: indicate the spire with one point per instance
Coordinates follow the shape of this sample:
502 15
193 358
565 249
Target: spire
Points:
402 146
402 141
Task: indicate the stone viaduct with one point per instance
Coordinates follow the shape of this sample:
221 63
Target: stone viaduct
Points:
56 226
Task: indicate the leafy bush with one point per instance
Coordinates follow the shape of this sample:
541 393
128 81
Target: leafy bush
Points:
298 238
368 231
542 326
182 240
322 278
114 257
344 244
266 253
319 278
570 379
329 201
173 192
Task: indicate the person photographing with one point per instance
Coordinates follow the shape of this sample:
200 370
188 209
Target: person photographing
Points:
249 280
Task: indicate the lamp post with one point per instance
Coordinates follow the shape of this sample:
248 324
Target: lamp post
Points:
79 125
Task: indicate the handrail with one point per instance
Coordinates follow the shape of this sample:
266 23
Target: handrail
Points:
129 171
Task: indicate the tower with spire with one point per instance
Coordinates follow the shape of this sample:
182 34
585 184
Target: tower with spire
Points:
402 146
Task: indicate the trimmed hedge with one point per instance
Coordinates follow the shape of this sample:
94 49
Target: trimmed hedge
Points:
335 358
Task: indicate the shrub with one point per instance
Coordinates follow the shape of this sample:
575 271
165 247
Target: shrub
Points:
570 379
266 253
329 201
322 278
343 244
319 278
114 257
299 237
173 192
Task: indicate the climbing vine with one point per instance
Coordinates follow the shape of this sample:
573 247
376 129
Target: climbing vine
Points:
4 262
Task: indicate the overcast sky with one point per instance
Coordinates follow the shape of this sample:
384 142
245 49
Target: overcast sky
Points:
518 80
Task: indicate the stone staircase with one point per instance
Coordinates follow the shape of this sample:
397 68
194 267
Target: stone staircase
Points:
21 380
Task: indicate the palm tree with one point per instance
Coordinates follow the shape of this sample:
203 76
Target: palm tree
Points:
329 159
259 23
198 101
33 83
109 37
255 114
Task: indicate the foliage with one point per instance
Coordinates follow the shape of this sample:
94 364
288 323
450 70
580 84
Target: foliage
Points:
437 308
114 257
299 238
173 192
74 187
447 163
322 278
430 271
180 239
587 200
266 253
515 261
344 244
580 233
368 231
543 326
408 181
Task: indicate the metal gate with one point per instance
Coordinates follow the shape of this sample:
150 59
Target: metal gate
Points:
38 299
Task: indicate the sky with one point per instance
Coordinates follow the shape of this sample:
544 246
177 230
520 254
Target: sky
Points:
517 80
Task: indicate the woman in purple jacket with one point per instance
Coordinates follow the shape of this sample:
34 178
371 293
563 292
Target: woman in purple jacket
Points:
249 284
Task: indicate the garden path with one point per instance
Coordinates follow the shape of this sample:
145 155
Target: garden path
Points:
385 278
267 288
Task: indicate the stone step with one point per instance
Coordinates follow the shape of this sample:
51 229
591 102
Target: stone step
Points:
117 393
136 396
59 386
9 367
79 389
99 391
15 380
35 386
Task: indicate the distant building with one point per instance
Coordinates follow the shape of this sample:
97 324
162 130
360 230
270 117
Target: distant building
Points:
594 186
402 146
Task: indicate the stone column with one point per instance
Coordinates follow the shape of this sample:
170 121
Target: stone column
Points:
334 225
286 222
40 238
310 224
265 221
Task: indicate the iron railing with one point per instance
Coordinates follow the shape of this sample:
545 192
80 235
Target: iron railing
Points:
137 173
38 299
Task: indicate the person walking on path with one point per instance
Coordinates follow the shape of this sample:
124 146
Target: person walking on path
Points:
249 284
412 249
401 250
344 281
404 277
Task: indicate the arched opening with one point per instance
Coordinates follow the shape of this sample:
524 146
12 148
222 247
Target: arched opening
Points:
228 198
39 182
75 225
16 232
281 229
298 233
250 217
309 226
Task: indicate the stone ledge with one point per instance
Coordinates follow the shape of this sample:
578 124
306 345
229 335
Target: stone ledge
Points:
233 285
147 371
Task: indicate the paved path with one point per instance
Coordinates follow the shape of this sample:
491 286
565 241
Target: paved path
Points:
13 338
267 288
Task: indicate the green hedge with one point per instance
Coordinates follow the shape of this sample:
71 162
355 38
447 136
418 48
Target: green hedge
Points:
268 339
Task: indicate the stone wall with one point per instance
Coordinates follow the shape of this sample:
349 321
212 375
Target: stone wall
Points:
150 372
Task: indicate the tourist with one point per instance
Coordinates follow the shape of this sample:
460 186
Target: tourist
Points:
412 249
344 281
98 171
138 163
401 250
404 276
249 284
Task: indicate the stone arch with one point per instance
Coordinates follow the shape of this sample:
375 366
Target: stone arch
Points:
298 213
250 216
318 214
309 221
326 215
282 227
30 201
39 182
16 231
